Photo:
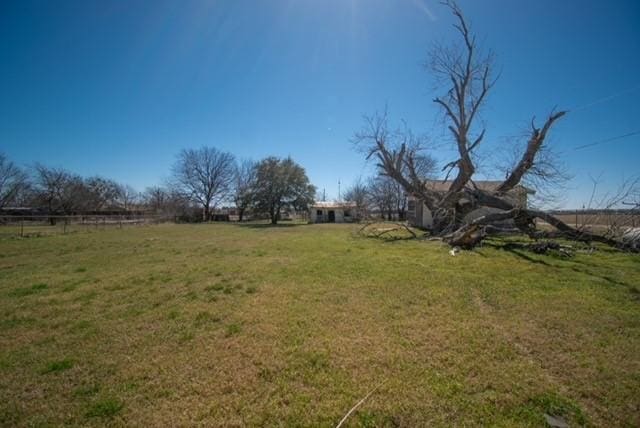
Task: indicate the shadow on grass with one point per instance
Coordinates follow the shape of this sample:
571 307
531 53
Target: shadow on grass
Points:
391 239
269 225
518 250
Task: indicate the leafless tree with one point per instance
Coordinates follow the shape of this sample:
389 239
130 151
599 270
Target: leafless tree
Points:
387 196
12 181
63 192
205 176
612 210
466 75
155 198
127 197
97 194
548 176
244 186
358 193
164 201
52 186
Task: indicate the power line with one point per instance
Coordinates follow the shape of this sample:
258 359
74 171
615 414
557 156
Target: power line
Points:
600 101
607 98
619 137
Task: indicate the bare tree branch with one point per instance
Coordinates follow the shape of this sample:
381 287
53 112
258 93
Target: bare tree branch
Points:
205 176
12 181
527 161
466 75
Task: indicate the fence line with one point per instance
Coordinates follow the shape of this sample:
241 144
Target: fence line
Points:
38 225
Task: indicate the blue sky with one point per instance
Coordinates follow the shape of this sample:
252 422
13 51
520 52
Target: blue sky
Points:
117 88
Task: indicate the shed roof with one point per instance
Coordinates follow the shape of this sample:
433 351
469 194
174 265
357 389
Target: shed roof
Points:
486 185
333 204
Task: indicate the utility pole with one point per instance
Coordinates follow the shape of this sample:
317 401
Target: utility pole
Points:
324 195
338 189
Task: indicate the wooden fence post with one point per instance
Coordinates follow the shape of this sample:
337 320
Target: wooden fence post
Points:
22 228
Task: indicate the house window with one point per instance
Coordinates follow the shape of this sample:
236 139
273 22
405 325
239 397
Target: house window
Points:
347 213
319 213
411 206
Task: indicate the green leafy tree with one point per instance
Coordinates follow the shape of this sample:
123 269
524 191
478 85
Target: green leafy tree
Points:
280 184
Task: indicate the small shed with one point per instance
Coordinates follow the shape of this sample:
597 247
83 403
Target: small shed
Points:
332 212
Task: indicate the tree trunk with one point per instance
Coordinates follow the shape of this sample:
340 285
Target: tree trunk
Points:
240 214
52 220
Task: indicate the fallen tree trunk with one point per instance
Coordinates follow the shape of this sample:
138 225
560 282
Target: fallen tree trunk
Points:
566 231
379 232
471 234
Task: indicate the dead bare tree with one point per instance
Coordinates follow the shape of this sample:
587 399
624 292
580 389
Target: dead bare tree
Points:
466 73
548 176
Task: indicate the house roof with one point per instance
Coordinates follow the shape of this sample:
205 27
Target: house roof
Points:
333 204
486 185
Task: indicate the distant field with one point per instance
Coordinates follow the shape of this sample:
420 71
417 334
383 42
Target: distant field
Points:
601 220
248 325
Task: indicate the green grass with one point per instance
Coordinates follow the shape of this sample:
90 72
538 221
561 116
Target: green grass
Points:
106 408
57 366
222 324
26 291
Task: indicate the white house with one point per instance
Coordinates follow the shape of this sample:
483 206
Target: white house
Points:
332 212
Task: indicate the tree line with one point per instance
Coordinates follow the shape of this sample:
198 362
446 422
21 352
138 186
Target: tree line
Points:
379 196
201 181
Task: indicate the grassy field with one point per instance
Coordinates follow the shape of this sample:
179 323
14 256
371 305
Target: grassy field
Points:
228 325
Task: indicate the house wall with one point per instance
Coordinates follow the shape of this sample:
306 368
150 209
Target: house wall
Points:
427 218
414 211
339 213
418 215
421 216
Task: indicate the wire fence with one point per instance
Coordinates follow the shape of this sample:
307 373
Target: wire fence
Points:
42 225
601 221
